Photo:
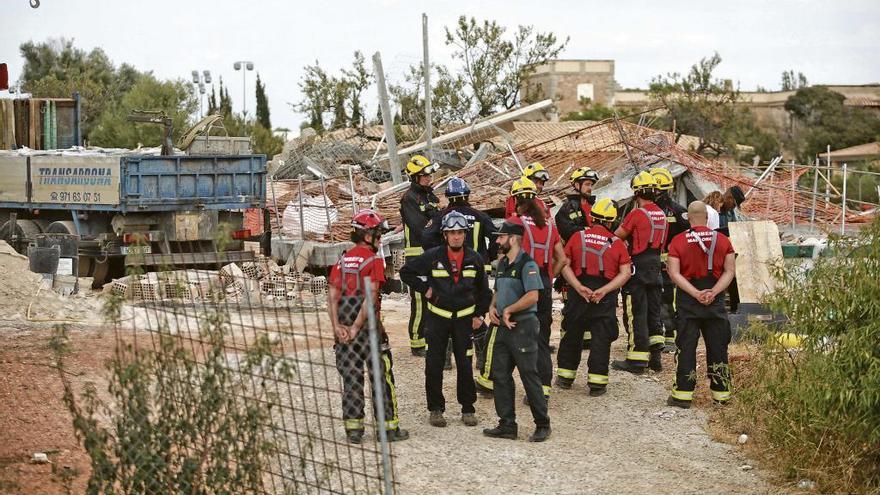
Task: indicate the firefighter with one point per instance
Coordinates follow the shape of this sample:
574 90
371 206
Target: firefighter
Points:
453 280
348 314
601 264
513 310
416 208
645 227
478 238
543 244
677 221
574 216
536 173
701 264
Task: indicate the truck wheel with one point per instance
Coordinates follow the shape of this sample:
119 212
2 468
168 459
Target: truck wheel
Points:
17 234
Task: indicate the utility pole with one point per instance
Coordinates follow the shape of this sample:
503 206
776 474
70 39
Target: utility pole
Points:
387 121
426 68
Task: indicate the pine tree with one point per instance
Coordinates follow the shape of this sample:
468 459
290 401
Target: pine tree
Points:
212 102
262 105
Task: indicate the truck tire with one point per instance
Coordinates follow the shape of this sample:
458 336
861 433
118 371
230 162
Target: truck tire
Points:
17 234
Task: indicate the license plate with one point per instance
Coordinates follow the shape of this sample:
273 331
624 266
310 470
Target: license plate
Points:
136 249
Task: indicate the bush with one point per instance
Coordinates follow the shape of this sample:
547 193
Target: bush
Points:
817 409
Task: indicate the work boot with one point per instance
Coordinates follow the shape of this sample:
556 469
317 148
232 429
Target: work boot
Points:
397 435
354 436
670 348
437 419
501 431
469 419
419 351
564 383
655 363
483 391
541 433
672 401
597 391
628 367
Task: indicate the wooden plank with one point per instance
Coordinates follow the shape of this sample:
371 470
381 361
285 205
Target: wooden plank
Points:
758 250
32 124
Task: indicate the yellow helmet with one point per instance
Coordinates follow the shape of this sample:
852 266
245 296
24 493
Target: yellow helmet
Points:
523 187
643 181
584 173
419 165
536 171
663 178
604 210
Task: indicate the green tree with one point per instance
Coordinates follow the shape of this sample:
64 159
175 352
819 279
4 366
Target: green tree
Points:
494 66
262 105
820 118
57 69
334 98
591 110
450 102
792 81
175 98
701 105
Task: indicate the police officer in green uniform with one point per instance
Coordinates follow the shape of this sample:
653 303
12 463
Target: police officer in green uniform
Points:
514 309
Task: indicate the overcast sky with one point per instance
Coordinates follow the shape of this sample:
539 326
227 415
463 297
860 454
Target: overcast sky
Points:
831 42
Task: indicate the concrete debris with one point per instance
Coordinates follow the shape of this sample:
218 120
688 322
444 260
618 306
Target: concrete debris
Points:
40 458
742 439
746 467
806 484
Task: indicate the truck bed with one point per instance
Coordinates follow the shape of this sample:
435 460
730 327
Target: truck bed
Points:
134 183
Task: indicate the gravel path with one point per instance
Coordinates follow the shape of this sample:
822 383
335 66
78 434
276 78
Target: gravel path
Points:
627 441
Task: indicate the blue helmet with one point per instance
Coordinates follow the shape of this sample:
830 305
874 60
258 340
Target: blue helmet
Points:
455 220
457 188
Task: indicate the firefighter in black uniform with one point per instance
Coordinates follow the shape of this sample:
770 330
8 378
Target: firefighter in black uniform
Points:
416 208
481 227
453 280
701 264
677 221
574 216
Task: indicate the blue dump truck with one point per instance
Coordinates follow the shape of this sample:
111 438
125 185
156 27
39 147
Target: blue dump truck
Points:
132 209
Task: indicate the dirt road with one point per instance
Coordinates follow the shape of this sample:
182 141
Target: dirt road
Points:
627 441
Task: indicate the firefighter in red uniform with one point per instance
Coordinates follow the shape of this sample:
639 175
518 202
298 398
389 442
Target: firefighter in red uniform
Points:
540 241
539 176
574 216
543 244
453 279
701 264
602 265
348 314
645 227
676 218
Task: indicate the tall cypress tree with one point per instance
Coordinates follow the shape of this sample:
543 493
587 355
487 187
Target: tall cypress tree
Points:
262 105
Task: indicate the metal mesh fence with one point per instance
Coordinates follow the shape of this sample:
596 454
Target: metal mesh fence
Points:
227 379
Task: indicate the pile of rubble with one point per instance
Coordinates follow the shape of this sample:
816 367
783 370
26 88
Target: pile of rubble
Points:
260 282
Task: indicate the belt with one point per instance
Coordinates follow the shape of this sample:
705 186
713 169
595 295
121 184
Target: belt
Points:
452 314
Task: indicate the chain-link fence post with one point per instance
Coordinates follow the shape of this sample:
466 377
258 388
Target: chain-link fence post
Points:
378 389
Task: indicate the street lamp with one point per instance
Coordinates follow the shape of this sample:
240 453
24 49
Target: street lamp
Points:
199 80
243 66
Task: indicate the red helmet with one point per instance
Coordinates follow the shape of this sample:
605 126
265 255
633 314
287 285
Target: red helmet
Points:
369 220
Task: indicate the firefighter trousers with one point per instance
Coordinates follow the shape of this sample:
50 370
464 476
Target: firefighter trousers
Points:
439 332
641 309
603 320
712 322
668 314
545 321
350 360
418 308
518 348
